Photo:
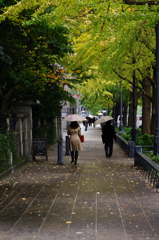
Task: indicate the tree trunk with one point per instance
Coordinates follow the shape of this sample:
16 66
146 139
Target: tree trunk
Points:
117 111
5 98
130 119
153 118
146 107
124 114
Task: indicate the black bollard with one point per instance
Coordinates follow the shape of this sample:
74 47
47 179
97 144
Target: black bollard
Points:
137 149
59 162
67 146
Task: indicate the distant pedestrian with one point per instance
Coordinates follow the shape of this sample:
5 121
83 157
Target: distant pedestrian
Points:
109 135
75 143
94 120
86 125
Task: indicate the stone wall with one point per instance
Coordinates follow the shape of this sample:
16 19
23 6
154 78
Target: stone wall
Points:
23 136
23 129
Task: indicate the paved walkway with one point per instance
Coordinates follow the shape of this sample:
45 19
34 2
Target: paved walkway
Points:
101 198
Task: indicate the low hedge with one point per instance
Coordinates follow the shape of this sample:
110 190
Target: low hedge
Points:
142 140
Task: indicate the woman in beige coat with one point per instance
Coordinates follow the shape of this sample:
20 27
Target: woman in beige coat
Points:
75 143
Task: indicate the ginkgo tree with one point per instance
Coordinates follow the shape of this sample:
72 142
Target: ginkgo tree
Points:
118 37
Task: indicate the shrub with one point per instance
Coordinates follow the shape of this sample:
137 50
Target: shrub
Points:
6 147
153 157
127 136
126 133
128 130
145 140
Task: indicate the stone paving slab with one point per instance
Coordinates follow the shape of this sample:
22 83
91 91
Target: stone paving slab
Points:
101 198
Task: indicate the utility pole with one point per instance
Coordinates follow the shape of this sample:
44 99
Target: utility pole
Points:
134 128
156 136
121 117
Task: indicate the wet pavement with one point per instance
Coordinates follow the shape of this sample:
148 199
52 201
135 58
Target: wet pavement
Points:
100 198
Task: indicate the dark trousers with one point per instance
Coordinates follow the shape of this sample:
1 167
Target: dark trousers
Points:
109 148
74 156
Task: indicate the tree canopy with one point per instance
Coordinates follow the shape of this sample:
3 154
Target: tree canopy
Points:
117 38
109 39
31 54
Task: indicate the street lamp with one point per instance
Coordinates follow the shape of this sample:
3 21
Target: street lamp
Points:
121 117
156 136
114 122
108 106
134 128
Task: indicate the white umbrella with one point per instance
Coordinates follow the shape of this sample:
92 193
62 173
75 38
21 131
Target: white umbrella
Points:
90 116
74 117
102 120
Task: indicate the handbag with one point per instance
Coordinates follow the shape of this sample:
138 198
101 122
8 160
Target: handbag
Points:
103 139
81 138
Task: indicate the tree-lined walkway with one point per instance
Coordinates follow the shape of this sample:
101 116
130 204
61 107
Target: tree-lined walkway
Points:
101 198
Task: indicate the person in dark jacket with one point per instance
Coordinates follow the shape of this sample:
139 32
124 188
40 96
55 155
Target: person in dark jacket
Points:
109 135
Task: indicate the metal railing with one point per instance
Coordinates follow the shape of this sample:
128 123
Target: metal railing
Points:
146 166
127 146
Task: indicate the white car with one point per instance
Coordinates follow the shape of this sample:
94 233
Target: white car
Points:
139 121
118 120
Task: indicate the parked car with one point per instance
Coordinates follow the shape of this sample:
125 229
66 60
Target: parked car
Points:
118 120
138 121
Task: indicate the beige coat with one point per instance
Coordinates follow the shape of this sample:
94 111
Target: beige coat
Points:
75 142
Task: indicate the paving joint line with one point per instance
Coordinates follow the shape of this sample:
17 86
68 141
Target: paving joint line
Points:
142 208
50 207
28 207
14 197
122 221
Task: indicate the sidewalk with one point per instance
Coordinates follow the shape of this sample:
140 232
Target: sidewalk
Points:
101 198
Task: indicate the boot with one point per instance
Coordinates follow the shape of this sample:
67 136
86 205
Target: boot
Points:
72 156
76 157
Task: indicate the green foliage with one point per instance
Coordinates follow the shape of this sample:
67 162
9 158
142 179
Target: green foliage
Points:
128 130
6 147
141 139
127 136
108 37
51 136
7 2
48 132
41 130
28 46
126 133
145 139
153 157
139 132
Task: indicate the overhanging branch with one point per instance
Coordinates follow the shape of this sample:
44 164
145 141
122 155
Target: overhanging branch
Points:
124 78
132 2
